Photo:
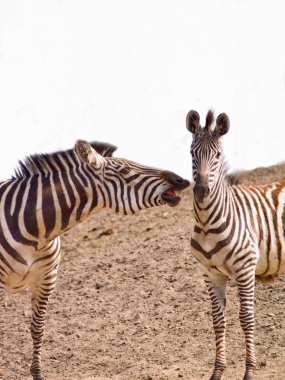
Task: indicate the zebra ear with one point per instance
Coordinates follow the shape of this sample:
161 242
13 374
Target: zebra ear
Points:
193 122
222 124
87 154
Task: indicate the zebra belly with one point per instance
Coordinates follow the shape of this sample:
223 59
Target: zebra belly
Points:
270 263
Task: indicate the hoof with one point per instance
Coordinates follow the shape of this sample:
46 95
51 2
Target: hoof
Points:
216 377
248 376
217 374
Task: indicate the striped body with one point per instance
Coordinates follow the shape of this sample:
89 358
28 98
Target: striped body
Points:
243 218
52 193
239 233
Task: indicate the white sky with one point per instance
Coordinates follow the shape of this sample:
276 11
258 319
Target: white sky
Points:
128 71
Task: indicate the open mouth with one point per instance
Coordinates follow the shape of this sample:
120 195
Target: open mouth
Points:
171 197
177 184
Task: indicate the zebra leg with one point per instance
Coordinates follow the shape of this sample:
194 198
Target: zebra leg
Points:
246 284
40 296
216 284
3 297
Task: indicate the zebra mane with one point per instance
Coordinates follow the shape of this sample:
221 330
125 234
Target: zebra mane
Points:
209 119
103 148
233 178
46 163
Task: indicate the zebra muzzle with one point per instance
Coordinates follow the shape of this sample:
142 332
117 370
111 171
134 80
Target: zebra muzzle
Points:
171 197
201 192
201 188
177 184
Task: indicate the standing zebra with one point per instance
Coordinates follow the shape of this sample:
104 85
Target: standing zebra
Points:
50 194
239 233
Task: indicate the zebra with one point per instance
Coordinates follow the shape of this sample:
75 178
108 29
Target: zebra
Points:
239 233
51 193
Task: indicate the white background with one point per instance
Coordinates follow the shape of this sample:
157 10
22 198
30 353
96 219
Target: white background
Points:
128 71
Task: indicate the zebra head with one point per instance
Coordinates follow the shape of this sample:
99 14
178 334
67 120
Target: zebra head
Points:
127 187
206 151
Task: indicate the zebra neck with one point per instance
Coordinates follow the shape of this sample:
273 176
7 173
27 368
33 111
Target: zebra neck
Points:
48 205
74 203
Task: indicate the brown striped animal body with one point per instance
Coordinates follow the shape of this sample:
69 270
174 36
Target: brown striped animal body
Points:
239 233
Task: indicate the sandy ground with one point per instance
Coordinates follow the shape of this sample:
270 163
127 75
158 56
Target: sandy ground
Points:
130 303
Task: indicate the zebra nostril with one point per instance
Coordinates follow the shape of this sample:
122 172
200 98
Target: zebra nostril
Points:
178 180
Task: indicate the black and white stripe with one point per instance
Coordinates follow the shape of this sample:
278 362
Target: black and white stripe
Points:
50 194
239 233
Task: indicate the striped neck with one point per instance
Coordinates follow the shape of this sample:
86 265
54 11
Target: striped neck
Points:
55 201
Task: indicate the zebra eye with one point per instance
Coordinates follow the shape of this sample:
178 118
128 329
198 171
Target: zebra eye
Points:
125 171
218 155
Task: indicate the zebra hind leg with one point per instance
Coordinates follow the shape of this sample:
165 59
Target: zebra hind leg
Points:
40 297
216 285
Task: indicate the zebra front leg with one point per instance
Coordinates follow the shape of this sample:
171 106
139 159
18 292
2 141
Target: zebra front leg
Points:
3 297
246 283
216 284
40 298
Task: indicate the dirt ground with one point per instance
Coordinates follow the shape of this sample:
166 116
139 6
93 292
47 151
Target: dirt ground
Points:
130 304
